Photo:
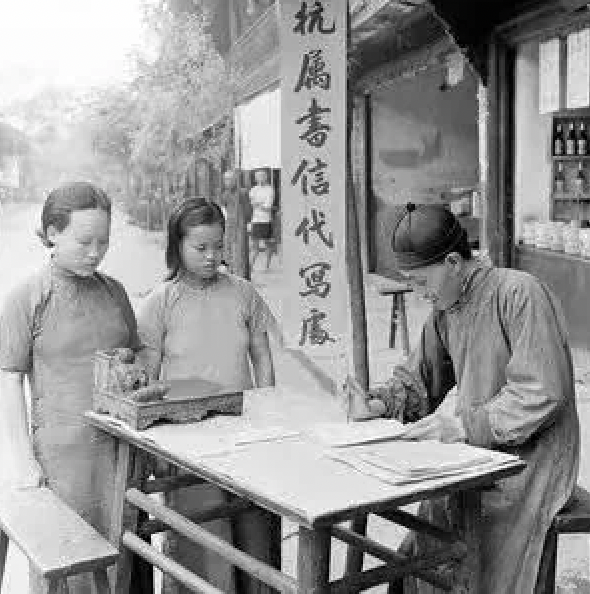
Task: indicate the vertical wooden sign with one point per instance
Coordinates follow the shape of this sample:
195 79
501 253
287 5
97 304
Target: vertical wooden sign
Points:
313 149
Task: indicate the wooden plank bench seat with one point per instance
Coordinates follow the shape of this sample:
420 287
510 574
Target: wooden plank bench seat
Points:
57 542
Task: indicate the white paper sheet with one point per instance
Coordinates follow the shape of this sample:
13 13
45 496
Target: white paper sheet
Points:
549 73
348 434
578 69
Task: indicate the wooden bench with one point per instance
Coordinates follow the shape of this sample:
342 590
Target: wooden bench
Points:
574 518
57 542
398 313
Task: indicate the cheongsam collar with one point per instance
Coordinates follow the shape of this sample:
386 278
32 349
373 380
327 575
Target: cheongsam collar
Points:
197 284
472 281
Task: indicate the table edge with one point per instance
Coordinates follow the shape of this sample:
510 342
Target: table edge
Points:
298 515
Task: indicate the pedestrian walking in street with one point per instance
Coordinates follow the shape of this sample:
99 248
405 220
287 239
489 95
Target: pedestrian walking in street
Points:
206 324
51 326
262 200
499 336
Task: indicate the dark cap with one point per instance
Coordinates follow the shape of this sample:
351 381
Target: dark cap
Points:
424 234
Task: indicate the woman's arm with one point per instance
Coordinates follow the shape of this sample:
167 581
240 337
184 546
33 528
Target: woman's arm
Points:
19 467
151 329
261 358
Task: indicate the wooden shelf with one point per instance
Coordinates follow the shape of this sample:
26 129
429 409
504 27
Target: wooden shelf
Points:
570 198
571 157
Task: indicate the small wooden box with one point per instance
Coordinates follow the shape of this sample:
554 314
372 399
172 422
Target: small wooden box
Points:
187 401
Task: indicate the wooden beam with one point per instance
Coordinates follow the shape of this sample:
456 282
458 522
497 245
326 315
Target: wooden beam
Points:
552 24
386 573
254 567
185 577
505 169
171 483
224 510
372 547
489 157
369 195
412 522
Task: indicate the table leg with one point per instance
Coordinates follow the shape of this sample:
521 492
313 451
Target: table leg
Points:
129 468
258 533
468 577
354 555
313 560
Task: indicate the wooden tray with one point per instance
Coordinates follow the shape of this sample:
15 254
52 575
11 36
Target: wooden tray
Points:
187 401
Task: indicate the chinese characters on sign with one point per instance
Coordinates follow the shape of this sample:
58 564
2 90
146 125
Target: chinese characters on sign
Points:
313 133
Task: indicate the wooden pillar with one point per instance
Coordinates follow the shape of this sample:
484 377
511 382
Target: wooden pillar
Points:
369 198
360 354
496 132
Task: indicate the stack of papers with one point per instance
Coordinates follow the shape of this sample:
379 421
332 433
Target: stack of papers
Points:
410 461
339 435
424 458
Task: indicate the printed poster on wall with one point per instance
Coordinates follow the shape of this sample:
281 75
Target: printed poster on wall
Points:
313 145
549 76
578 69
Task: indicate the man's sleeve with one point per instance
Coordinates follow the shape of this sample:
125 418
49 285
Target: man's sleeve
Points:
416 388
539 374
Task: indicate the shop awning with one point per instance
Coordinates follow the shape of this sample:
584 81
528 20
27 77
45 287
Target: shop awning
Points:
258 131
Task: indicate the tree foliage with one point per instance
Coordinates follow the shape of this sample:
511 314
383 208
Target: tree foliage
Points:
181 94
175 109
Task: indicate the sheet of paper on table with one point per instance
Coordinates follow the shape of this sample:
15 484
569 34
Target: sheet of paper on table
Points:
338 435
214 436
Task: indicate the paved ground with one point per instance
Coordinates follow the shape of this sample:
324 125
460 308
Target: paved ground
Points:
136 258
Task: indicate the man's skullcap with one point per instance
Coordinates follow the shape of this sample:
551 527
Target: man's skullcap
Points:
424 234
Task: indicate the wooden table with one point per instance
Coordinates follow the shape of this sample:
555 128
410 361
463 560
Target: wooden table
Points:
292 478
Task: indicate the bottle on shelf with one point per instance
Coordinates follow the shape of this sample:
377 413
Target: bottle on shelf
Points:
582 142
559 141
559 180
580 180
570 141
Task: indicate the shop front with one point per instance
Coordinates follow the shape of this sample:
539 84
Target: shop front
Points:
552 165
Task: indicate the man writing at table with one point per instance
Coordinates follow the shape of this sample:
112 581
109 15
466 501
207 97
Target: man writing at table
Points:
499 336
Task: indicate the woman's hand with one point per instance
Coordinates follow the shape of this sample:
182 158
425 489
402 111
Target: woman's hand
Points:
441 426
360 405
